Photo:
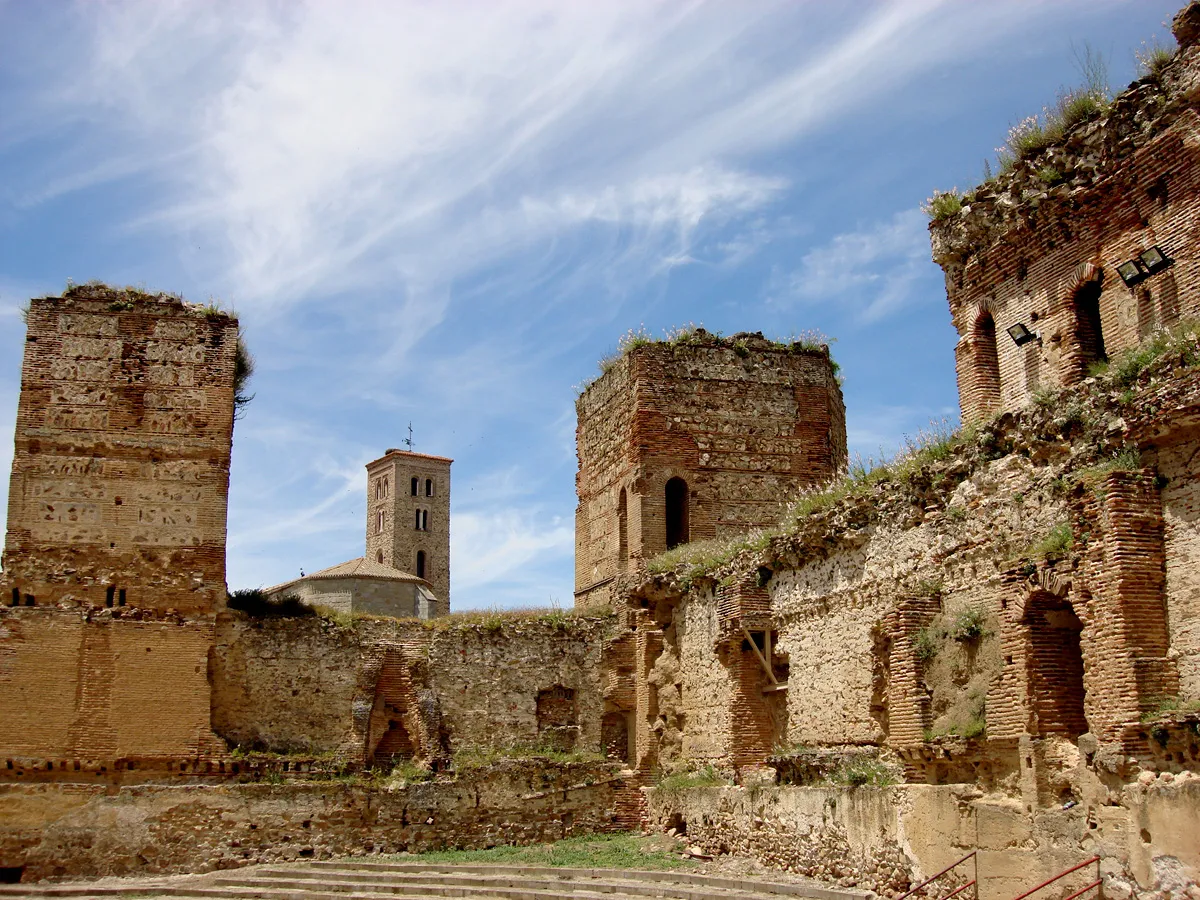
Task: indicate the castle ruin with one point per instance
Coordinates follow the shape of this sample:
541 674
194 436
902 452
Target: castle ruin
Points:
987 649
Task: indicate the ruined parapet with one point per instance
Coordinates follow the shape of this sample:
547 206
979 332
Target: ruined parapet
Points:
114 563
694 438
120 473
1039 245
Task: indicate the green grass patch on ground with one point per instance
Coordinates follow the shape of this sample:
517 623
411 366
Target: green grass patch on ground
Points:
623 850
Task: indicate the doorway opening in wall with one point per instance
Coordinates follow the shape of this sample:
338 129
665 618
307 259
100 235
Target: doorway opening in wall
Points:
987 363
1055 665
677 512
1088 328
11 874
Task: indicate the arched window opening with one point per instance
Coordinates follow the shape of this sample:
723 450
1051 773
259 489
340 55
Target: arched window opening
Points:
677 512
417 520
414 487
623 529
987 364
420 563
424 520
1089 330
428 487
386 486
1055 666
379 556
379 516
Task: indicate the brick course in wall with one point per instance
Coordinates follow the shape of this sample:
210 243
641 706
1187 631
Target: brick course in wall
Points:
743 422
1045 255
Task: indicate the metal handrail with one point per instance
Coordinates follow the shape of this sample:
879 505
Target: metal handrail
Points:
934 878
1063 874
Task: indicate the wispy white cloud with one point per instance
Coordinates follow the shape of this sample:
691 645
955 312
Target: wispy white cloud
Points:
498 549
872 271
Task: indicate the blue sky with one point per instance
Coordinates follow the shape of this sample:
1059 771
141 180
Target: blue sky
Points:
446 213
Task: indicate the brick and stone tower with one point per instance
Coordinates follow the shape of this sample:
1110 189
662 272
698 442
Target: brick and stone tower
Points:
114 561
408 517
120 472
702 438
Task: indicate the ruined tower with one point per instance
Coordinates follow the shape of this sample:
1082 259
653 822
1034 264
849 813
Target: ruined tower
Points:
696 438
116 524
408 517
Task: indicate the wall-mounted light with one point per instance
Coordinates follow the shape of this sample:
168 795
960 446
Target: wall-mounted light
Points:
1131 273
1020 334
1148 263
1153 260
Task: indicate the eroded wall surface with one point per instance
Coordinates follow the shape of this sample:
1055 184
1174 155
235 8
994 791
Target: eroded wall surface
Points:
306 684
77 830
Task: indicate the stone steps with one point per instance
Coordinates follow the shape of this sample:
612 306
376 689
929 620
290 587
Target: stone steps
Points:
343 880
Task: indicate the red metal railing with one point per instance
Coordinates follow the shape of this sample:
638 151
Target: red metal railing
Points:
1066 872
973 883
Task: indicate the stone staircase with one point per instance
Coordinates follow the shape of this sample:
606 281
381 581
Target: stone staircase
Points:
346 879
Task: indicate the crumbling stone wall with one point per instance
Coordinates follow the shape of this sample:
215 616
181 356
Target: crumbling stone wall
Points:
742 423
884 839
76 829
308 685
1040 245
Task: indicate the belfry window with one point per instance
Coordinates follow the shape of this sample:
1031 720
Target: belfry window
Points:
428 487
424 520
677 512
379 521
414 487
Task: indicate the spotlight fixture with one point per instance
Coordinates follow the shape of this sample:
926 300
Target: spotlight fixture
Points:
1153 260
1020 334
1131 273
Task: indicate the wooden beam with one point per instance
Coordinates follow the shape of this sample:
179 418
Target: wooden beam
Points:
772 688
762 659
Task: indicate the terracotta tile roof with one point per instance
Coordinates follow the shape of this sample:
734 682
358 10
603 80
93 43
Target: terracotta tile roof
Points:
360 567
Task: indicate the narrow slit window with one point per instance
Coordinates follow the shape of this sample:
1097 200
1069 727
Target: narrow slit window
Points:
414 487
424 520
16 597
428 487
677 512
417 520
109 594
420 563
121 597
379 521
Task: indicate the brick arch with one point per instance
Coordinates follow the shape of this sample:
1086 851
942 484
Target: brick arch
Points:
985 361
1084 338
1054 664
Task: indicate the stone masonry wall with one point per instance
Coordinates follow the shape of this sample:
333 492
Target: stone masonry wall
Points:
307 685
81 830
883 839
121 463
745 422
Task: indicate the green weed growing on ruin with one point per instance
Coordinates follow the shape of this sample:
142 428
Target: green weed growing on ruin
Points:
969 625
481 756
707 776
1056 543
943 204
1173 705
621 850
1180 344
1153 57
862 772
